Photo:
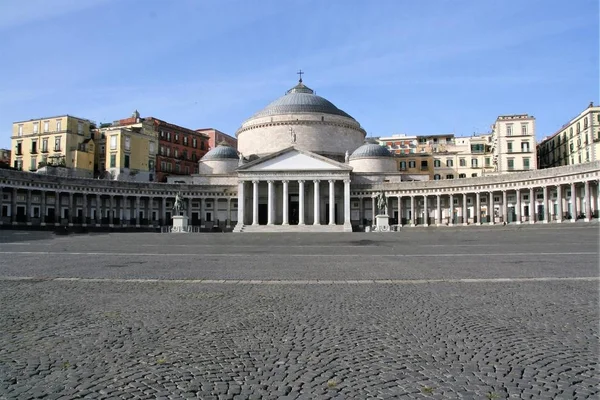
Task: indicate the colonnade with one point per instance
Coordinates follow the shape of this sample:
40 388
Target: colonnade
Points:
543 204
278 192
33 206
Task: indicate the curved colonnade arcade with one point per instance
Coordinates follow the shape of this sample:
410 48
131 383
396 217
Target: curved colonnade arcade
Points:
548 195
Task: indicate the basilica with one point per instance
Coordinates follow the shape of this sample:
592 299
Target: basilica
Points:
302 165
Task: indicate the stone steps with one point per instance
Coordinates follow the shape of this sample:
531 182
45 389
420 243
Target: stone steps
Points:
288 228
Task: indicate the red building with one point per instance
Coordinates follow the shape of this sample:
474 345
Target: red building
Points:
179 149
216 137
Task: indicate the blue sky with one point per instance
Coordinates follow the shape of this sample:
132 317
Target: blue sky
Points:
397 66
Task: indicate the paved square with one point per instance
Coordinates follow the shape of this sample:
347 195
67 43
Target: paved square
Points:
476 312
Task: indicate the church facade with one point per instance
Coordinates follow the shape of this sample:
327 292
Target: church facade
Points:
302 165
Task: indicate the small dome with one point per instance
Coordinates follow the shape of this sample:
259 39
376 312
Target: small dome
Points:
370 150
221 152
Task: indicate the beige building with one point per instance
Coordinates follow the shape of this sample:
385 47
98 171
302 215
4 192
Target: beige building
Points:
55 141
578 141
128 151
464 157
513 143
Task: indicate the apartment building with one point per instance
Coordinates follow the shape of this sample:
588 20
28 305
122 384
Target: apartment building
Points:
576 142
215 137
513 143
63 140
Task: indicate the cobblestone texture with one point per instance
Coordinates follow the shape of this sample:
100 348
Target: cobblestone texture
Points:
132 340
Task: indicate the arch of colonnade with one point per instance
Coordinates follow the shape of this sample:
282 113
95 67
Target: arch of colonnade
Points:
549 195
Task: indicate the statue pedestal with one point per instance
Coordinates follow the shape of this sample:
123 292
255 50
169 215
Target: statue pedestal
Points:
180 223
382 223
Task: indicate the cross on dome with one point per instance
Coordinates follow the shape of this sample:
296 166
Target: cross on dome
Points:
300 73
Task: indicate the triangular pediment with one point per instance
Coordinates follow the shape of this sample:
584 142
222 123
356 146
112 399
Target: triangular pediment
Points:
292 159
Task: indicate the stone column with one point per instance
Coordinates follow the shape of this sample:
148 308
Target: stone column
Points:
587 197
504 208
490 213
477 211
573 202
203 211
189 208
137 211
228 222
362 211
425 211
71 208
98 210
531 206
559 201
546 211
13 205
85 208
347 222
42 207
163 210
331 202
464 210
301 202
270 205
28 207
413 214
284 203
438 210
518 206
241 203
111 221
254 202
399 210
451 210
317 220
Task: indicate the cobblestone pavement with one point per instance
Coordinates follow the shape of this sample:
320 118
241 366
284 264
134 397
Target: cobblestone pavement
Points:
482 321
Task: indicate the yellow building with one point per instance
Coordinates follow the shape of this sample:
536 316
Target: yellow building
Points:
417 166
60 141
127 153
576 142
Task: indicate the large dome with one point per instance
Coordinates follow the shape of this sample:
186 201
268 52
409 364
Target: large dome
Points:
300 99
302 119
221 152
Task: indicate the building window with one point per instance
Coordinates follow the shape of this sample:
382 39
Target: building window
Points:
162 134
44 145
151 146
449 176
127 143
509 148
571 132
462 175
46 126
185 140
187 170
169 137
437 163
34 146
585 123
58 126
474 175
20 130
113 161
496 199
525 147
449 163
523 129
151 165
163 166
526 163
194 142
473 163
162 150
79 128
423 165
177 138
511 164
57 144
402 165
201 145
126 161
462 162
437 177
35 127
412 164
113 142
176 153
487 161
33 164
509 130
578 127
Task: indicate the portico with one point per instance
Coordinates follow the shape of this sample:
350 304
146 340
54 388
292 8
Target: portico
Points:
294 187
